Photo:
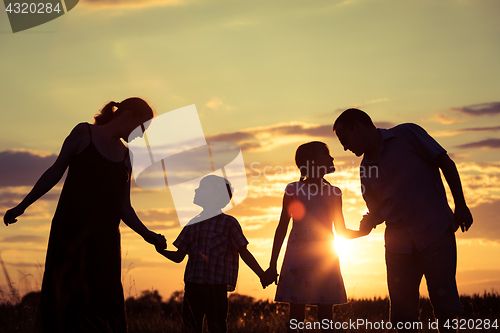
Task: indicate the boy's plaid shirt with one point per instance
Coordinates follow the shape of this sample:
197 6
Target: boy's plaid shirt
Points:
212 246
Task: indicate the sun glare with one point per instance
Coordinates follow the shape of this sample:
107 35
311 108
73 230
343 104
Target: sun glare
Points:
343 247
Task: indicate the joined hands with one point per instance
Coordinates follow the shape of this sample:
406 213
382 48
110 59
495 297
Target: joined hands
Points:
159 241
270 276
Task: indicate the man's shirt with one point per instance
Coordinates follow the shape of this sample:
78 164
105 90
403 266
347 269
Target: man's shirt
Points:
405 189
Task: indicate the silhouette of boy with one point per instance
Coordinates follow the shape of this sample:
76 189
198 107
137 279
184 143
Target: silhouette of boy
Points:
213 242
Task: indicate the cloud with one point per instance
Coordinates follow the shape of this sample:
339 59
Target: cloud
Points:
25 239
23 167
99 4
337 111
445 120
11 196
377 100
484 109
485 223
458 156
466 130
217 104
159 219
487 144
384 124
270 137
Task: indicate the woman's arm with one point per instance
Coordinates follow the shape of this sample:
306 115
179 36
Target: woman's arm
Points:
339 222
130 218
52 175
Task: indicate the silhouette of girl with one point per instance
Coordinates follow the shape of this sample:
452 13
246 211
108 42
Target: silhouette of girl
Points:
81 288
311 272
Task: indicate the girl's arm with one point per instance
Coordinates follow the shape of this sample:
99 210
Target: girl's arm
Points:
129 217
176 256
52 175
279 238
338 221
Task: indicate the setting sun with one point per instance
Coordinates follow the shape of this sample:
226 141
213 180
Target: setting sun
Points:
343 247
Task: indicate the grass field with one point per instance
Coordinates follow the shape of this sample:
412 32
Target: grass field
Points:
150 313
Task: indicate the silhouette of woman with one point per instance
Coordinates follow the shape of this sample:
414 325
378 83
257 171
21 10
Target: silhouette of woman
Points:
81 288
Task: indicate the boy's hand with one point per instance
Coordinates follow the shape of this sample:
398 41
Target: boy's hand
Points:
270 276
159 241
160 249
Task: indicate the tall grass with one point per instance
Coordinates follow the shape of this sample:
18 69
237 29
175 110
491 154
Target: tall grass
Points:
148 312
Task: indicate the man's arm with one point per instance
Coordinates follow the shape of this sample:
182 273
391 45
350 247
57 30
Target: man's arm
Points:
463 217
373 218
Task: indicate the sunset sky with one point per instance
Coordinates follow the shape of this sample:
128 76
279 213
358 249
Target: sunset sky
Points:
267 76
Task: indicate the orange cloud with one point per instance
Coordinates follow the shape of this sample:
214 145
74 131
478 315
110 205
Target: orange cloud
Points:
466 130
216 104
269 137
445 120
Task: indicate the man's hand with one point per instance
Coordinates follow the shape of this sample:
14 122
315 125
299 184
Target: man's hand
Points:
463 217
367 224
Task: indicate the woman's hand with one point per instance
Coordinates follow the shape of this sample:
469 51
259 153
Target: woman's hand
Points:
159 241
11 215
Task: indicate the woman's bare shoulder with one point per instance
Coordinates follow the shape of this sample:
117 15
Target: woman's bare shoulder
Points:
80 130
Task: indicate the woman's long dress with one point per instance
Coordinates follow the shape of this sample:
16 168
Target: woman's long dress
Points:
311 269
81 289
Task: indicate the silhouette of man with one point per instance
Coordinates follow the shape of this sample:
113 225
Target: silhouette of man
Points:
402 186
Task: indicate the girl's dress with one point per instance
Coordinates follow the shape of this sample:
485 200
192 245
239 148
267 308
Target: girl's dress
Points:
81 288
311 270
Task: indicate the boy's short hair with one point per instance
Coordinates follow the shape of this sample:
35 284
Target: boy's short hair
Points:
221 184
350 116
